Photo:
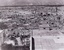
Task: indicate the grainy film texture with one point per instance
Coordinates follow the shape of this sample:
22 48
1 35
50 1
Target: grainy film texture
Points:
32 27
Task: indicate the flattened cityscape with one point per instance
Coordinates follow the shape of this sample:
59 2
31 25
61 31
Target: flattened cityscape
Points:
39 24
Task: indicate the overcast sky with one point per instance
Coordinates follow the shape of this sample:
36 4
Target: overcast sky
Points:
31 2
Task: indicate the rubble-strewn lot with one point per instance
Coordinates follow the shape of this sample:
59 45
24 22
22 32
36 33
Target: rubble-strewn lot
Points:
16 21
32 17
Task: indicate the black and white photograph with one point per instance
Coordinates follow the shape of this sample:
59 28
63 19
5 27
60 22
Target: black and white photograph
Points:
31 24
14 31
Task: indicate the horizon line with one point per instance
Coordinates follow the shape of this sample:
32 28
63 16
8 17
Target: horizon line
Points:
32 5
